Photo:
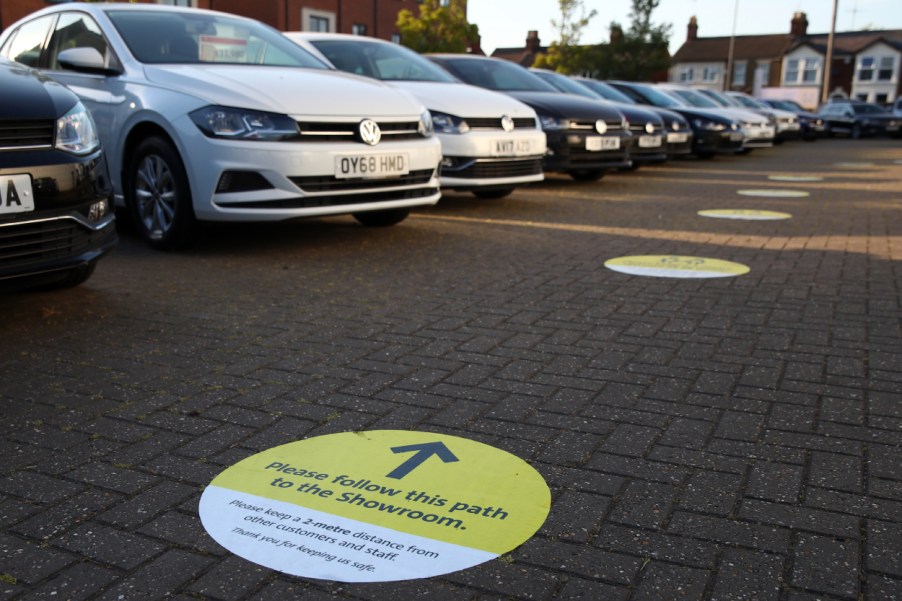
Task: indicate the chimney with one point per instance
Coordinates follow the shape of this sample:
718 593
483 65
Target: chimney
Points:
533 44
692 29
799 25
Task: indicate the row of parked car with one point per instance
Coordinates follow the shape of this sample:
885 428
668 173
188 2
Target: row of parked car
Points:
206 116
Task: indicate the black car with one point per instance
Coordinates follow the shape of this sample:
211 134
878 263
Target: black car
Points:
679 133
856 119
584 138
55 195
648 141
813 125
712 133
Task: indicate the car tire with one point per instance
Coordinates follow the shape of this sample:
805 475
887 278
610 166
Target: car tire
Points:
492 194
586 175
382 218
158 195
705 155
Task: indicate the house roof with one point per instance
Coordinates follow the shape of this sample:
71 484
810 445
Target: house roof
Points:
773 46
521 56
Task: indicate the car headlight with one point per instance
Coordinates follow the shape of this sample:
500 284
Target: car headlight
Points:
76 133
553 123
243 124
443 123
710 125
425 127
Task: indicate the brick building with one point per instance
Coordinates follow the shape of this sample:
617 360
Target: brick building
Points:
374 18
866 65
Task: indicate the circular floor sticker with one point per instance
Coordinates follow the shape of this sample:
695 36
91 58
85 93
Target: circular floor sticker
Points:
795 178
774 193
674 266
745 214
375 506
854 165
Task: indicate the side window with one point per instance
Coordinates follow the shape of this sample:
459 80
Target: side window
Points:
28 41
76 30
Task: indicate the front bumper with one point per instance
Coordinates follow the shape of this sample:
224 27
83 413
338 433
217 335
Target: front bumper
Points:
274 181
492 158
569 150
723 142
679 143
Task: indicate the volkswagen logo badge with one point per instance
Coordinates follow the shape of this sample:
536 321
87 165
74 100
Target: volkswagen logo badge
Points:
370 132
675 125
507 124
600 126
650 127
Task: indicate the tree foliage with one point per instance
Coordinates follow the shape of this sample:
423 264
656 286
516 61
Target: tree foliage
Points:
566 54
437 28
637 54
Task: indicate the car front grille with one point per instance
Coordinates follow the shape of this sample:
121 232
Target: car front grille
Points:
502 168
20 135
613 125
329 183
30 243
639 130
495 123
316 131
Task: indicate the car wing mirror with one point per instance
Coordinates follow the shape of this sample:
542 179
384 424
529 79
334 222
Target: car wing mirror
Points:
85 60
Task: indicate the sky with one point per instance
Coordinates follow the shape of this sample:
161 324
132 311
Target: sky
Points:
504 23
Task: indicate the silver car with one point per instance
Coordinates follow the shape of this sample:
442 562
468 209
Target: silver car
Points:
207 116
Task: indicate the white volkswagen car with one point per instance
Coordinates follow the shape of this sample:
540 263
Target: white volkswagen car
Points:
491 142
206 116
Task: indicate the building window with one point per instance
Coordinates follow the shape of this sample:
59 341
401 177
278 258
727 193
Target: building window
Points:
739 74
881 98
710 74
887 68
687 75
862 97
809 74
316 23
792 71
358 29
396 38
866 68
189 3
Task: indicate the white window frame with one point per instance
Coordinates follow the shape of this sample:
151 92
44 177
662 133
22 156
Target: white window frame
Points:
866 64
740 70
883 66
711 74
307 13
687 75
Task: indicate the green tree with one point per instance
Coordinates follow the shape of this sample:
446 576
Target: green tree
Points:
637 54
437 28
566 55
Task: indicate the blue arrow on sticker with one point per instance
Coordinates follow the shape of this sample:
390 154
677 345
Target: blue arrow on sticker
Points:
423 452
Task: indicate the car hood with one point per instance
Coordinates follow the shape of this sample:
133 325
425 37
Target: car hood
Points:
567 106
637 114
286 90
739 114
28 95
464 100
697 113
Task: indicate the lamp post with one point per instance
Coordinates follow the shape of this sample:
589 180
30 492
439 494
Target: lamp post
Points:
728 84
825 93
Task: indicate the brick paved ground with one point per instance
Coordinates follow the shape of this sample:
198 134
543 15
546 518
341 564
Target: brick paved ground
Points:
720 439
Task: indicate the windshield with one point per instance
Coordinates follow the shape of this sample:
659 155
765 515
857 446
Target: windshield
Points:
693 98
606 91
497 75
565 84
380 60
659 98
163 37
716 98
747 102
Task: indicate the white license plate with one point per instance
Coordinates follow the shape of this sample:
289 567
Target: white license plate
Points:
735 137
511 148
649 141
371 165
677 138
596 143
16 195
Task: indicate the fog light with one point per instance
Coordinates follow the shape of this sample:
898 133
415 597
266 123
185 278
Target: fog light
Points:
447 162
98 210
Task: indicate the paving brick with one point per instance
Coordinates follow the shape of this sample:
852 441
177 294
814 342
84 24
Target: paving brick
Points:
39 488
730 532
107 545
748 576
580 560
578 589
714 493
158 579
840 472
232 579
65 515
27 563
575 516
656 545
826 565
80 581
644 504
883 551
146 506
665 582
775 482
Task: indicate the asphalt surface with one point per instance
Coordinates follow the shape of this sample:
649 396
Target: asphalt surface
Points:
731 438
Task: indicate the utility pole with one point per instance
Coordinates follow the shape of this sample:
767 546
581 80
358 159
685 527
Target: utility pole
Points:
728 83
828 66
